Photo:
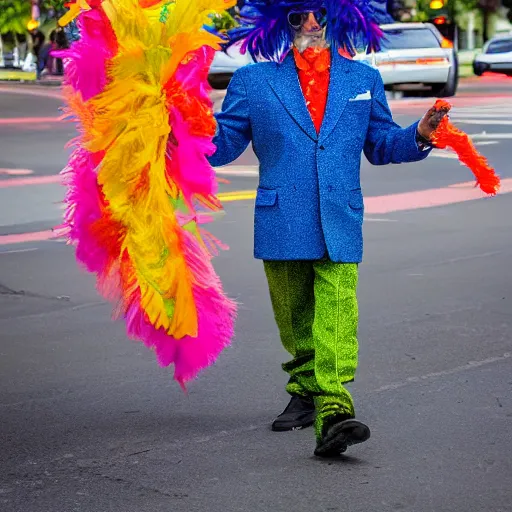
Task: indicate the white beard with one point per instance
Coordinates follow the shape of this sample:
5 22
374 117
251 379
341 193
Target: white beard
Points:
304 40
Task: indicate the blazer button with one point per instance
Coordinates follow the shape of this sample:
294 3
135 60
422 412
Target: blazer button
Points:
329 188
322 147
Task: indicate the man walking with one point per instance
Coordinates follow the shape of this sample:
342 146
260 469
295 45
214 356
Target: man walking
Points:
310 112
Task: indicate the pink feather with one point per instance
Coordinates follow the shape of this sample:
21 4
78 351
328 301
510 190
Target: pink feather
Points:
82 210
86 58
216 316
188 166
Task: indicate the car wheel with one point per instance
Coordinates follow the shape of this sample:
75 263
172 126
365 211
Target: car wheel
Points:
450 87
478 70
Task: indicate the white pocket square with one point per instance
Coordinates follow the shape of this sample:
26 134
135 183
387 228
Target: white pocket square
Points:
363 96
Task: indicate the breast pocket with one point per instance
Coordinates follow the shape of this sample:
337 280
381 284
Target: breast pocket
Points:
354 123
266 197
355 199
359 110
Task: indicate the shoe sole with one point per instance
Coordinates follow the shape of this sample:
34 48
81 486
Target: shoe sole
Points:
342 435
292 427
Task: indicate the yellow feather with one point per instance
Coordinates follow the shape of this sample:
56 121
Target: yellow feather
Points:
131 123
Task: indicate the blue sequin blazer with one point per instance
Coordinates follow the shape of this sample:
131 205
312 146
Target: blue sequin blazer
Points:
309 203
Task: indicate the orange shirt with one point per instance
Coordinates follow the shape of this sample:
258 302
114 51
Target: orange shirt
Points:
313 69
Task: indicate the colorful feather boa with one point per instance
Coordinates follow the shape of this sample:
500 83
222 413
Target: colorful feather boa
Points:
137 85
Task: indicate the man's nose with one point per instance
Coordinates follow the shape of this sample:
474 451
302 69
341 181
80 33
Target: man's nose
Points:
311 23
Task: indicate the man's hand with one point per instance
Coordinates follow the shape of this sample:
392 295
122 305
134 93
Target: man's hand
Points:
430 121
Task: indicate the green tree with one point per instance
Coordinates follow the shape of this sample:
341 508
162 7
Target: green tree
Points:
53 8
487 7
14 16
454 8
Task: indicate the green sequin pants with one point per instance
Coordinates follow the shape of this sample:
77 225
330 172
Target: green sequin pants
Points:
315 307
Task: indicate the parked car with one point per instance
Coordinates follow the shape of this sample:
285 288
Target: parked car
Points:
416 55
496 56
225 64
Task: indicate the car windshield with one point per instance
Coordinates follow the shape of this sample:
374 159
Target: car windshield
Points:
407 39
501 46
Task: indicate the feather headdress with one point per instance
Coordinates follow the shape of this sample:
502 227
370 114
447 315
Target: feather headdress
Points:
266 34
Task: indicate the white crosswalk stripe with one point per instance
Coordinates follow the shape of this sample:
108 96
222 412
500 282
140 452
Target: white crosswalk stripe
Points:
489 117
485 114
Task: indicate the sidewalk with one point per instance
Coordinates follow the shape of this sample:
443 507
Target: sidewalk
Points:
16 75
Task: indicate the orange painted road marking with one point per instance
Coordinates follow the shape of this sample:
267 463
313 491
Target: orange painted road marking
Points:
37 236
452 194
457 193
15 172
29 120
33 180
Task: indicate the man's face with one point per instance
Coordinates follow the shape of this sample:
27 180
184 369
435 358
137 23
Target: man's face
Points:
308 23
309 27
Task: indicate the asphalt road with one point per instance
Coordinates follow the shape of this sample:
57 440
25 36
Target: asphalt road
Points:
89 423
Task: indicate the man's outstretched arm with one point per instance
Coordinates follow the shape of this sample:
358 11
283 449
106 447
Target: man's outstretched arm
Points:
233 125
386 142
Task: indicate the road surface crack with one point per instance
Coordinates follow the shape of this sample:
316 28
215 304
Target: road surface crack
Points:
5 290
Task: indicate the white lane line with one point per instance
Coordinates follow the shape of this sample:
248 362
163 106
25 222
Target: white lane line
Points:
483 121
31 249
486 142
461 115
440 153
238 170
484 108
485 135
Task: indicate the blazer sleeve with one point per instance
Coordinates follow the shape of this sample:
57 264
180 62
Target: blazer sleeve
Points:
386 142
233 124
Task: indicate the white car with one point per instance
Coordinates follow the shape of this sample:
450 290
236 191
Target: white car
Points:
411 53
224 65
416 55
496 56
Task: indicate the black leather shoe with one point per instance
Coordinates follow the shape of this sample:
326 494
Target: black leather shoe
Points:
299 413
339 435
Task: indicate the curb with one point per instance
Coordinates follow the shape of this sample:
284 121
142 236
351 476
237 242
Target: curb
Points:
44 83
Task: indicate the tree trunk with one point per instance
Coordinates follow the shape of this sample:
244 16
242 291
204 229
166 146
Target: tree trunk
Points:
486 15
1 51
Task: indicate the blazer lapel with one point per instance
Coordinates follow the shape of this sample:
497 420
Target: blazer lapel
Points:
285 83
342 85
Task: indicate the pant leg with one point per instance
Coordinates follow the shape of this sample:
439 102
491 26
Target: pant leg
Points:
335 336
291 286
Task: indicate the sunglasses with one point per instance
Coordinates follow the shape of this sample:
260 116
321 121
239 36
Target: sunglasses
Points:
297 18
